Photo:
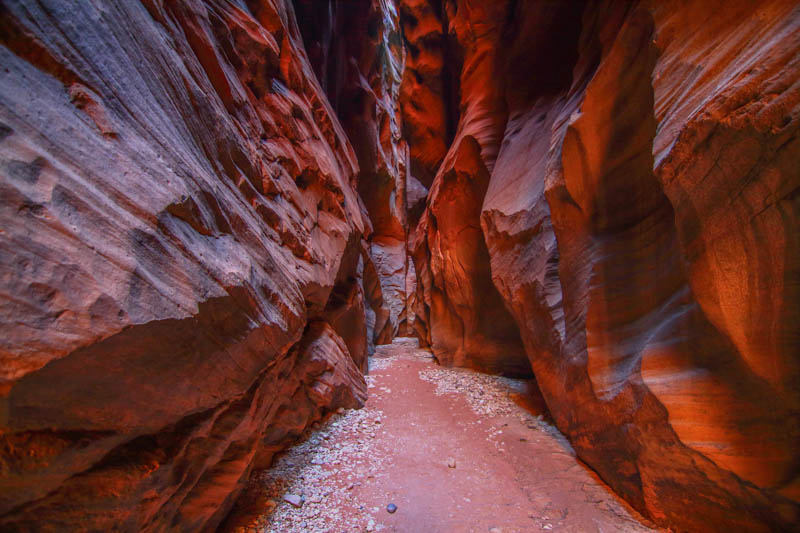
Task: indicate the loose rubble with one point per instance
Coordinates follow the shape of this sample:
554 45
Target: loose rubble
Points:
293 499
487 395
311 488
301 480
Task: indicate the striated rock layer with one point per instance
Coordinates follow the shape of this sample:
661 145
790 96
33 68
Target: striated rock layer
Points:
636 170
460 314
204 230
357 52
182 286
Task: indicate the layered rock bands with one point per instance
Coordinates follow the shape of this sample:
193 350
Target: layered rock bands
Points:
212 210
187 280
621 190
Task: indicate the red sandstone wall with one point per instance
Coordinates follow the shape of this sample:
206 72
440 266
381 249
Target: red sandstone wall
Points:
190 274
181 289
641 226
460 314
357 52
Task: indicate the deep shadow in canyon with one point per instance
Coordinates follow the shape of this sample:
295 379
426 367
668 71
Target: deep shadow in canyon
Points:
213 211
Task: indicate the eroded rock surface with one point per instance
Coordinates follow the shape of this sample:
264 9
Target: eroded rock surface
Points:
428 93
460 314
358 54
640 218
179 204
209 209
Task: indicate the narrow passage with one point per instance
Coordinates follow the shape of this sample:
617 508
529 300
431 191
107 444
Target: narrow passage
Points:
454 451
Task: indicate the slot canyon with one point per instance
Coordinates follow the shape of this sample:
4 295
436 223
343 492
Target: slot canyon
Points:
399 265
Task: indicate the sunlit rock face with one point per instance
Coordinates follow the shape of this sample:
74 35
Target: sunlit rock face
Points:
726 153
182 260
429 96
209 211
357 52
636 170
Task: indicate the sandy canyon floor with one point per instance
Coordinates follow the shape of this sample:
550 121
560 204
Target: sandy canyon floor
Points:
453 450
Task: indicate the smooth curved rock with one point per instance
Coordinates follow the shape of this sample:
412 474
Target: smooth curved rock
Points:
460 314
428 93
736 216
639 220
467 323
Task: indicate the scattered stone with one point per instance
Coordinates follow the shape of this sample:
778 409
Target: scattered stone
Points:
487 395
340 410
293 499
391 508
324 508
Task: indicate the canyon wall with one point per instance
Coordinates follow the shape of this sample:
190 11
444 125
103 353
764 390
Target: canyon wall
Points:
633 169
358 55
186 278
460 314
210 210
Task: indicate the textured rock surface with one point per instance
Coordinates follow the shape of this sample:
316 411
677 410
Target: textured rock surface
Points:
641 220
200 242
428 92
460 314
358 54
178 204
736 215
467 324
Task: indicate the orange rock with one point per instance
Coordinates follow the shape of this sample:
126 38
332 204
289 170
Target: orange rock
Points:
637 169
209 209
178 201
428 93
357 52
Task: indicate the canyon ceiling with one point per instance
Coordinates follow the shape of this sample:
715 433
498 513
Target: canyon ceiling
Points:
212 210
